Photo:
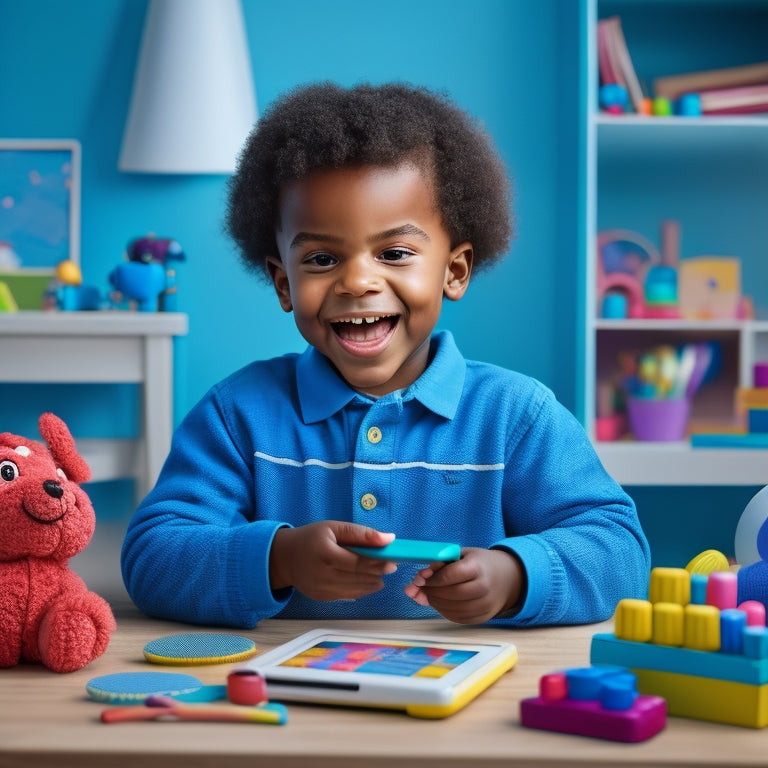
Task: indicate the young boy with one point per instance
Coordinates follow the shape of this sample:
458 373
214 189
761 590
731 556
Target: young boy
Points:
366 208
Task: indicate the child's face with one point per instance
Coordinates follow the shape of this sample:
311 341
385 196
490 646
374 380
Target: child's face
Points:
365 262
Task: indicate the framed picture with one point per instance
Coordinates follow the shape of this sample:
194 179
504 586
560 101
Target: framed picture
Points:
39 214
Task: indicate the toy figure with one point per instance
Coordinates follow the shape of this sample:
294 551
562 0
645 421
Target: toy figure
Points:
148 277
47 613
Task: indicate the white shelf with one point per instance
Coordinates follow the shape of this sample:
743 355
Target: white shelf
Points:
678 464
707 172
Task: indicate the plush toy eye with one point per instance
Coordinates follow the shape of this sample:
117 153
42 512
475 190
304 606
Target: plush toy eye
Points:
8 471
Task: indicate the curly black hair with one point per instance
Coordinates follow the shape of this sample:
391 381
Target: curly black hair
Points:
325 125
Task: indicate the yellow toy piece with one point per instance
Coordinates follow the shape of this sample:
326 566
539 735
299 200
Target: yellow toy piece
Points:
708 562
69 273
670 585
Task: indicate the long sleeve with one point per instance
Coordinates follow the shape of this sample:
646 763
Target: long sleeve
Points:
580 541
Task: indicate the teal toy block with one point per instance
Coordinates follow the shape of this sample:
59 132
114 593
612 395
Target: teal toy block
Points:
608 649
756 440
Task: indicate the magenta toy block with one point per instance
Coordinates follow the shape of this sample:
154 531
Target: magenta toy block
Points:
722 589
755 611
601 701
645 718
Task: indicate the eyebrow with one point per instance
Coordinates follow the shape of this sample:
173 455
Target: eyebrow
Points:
405 230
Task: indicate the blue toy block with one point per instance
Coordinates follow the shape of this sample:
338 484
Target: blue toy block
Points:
758 420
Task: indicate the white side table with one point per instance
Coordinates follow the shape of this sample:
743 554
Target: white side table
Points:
102 347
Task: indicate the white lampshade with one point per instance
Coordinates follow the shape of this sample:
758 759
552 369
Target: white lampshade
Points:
193 101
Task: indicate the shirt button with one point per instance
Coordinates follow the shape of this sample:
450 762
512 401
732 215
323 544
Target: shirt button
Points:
374 435
368 501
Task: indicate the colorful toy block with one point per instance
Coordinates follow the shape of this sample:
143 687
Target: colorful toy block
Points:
597 701
707 658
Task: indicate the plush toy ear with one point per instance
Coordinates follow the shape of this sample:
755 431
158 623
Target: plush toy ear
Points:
62 446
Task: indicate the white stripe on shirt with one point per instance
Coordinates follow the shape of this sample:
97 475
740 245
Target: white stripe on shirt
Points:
392 465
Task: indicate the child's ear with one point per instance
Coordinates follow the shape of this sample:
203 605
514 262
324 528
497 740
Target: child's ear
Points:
458 271
280 281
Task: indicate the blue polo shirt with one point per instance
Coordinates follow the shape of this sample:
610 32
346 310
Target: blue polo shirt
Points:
470 453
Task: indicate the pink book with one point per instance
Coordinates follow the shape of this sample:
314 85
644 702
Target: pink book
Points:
743 99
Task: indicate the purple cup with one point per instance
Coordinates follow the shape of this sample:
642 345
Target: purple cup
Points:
658 419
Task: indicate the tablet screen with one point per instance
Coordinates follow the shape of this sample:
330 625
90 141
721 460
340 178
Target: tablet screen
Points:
393 658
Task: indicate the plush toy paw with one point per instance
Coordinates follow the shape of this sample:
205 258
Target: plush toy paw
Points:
74 631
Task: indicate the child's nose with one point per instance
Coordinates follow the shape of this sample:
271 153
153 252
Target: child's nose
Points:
358 276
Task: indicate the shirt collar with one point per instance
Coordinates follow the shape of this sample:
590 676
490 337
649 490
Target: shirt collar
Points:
322 392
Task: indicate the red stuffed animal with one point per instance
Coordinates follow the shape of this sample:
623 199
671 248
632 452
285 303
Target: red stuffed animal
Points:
47 613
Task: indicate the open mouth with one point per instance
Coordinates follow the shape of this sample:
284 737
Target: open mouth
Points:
359 330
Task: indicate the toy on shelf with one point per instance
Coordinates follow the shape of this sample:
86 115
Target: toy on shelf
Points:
602 702
634 279
697 642
148 277
751 411
653 389
48 614
67 292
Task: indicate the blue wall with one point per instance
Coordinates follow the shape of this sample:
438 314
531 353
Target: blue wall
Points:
514 63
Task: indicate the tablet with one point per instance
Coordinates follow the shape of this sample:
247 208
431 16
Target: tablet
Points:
424 676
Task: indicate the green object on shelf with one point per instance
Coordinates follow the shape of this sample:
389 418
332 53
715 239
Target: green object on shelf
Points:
27 287
7 302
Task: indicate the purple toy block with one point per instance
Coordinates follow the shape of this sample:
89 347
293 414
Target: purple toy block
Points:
645 718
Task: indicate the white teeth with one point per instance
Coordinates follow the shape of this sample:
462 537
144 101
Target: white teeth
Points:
360 320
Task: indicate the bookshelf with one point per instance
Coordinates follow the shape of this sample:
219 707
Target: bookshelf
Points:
710 174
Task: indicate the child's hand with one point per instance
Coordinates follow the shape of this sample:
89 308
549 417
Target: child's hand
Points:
472 590
313 559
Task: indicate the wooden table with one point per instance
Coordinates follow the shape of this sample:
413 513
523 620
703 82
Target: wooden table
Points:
47 720
103 347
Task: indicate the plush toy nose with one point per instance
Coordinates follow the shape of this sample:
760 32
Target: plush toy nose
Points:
52 488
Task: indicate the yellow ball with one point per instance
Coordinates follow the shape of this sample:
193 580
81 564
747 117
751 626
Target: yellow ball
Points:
69 273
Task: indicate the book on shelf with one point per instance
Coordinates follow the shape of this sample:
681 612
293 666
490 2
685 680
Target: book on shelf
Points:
747 99
614 61
673 86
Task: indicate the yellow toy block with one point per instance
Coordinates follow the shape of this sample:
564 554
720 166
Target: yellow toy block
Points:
704 698
670 585
702 628
634 620
668 624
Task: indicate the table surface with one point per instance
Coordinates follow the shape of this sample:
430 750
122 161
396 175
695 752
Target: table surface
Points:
48 720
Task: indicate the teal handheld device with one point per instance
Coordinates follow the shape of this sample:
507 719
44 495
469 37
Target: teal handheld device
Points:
412 550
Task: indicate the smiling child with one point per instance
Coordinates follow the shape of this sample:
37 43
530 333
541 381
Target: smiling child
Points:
366 208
